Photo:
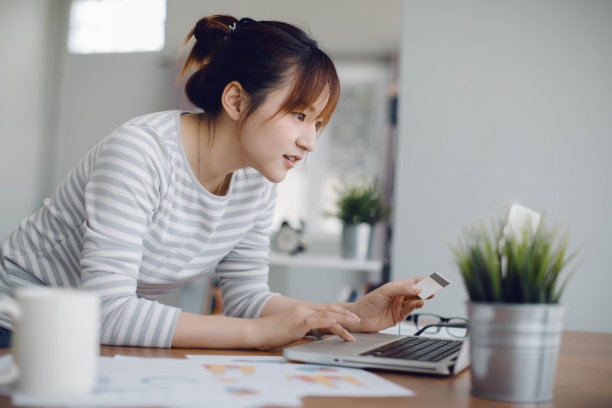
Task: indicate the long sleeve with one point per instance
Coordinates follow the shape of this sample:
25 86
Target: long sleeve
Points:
121 198
131 220
243 273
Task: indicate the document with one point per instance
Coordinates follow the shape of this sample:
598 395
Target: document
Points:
231 381
132 381
271 380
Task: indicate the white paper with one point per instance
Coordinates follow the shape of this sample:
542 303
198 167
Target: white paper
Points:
134 381
270 380
228 381
521 219
408 328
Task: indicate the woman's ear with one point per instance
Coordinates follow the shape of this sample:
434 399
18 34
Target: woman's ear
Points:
233 100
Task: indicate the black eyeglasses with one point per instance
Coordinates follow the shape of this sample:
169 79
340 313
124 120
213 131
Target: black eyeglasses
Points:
430 323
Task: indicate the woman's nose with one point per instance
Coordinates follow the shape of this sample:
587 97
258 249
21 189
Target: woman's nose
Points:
308 140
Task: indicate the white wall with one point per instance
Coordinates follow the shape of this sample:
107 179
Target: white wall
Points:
504 101
100 92
23 92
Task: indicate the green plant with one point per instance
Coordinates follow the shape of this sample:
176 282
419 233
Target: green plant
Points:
502 268
361 202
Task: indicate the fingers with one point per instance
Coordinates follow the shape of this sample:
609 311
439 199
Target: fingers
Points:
410 305
333 318
341 332
332 326
403 287
397 309
413 304
333 308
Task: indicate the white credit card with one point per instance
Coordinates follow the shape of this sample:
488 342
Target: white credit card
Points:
432 284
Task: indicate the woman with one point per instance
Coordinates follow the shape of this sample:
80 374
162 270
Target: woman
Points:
171 196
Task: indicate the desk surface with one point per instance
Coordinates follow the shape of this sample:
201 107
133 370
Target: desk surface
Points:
584 379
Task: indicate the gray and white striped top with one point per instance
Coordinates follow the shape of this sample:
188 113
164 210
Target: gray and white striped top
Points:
132 219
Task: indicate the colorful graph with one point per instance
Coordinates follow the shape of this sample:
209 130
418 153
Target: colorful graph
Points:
326 380
222 368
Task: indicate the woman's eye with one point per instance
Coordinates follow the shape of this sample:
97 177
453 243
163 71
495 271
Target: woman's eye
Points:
300 116
318 124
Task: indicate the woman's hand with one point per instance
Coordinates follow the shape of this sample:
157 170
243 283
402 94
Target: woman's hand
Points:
284 328
387 305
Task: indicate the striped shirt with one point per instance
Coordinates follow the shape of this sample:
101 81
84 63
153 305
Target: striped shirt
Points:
132 220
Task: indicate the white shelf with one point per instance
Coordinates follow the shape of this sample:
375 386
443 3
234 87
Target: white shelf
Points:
324 262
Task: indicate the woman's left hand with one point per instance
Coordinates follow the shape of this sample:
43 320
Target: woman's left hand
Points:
387 305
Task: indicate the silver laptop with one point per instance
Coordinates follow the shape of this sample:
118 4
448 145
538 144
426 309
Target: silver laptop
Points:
418 354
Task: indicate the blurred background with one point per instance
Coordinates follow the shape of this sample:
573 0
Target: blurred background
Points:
458 108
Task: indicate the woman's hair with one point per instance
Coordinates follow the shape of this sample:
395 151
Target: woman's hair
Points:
261 56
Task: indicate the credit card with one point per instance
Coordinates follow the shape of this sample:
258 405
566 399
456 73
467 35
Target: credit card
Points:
432 284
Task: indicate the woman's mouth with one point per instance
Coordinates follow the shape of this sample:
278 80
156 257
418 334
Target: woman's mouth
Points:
291 160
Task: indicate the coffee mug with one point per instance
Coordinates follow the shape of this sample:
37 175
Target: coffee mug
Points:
56 340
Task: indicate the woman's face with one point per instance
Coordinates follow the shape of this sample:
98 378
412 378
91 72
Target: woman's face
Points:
274 143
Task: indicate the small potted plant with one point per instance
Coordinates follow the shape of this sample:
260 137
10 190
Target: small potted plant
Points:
359 206
512 273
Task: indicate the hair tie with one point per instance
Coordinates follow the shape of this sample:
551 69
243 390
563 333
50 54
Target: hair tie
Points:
232 28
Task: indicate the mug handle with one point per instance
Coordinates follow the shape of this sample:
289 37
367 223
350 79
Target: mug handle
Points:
10 307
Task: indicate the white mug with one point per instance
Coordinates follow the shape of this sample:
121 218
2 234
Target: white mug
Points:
56 340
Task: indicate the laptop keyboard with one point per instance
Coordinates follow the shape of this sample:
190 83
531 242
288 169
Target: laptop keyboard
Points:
416 348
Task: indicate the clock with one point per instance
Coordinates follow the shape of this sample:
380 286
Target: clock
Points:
289 239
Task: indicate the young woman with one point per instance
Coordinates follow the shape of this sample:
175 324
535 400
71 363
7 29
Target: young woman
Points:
171 196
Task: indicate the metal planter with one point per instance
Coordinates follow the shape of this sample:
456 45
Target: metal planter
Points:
356 241
514 349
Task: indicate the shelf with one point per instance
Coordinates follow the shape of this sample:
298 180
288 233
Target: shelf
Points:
324 262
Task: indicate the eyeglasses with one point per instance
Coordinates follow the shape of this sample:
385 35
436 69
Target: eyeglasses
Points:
430 323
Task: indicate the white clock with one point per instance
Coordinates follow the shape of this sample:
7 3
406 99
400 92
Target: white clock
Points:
289 239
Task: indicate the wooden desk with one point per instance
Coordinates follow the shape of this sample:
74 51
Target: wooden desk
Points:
583 380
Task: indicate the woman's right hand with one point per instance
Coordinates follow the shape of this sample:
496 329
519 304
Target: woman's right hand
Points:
284 328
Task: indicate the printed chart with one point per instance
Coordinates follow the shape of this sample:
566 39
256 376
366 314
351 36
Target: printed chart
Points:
275 381
227 381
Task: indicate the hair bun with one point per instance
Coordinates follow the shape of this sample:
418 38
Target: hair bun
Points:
260 56
214 28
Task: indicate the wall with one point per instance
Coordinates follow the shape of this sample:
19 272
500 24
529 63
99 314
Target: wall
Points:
24 71
505 101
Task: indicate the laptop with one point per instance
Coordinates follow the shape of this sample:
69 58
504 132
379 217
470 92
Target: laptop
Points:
415 354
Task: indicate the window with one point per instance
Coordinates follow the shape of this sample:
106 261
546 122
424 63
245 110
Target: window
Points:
113 26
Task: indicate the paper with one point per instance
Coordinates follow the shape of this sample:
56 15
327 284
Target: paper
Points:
407 328
132 381
268 380
215 381
520 220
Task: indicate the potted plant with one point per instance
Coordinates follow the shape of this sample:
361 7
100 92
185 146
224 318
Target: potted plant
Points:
512 273
359 206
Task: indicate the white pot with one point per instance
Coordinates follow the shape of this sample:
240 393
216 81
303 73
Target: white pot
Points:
356 241
514 349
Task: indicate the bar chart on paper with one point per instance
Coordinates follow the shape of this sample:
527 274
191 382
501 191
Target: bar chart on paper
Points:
271 380
222 368
326 380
